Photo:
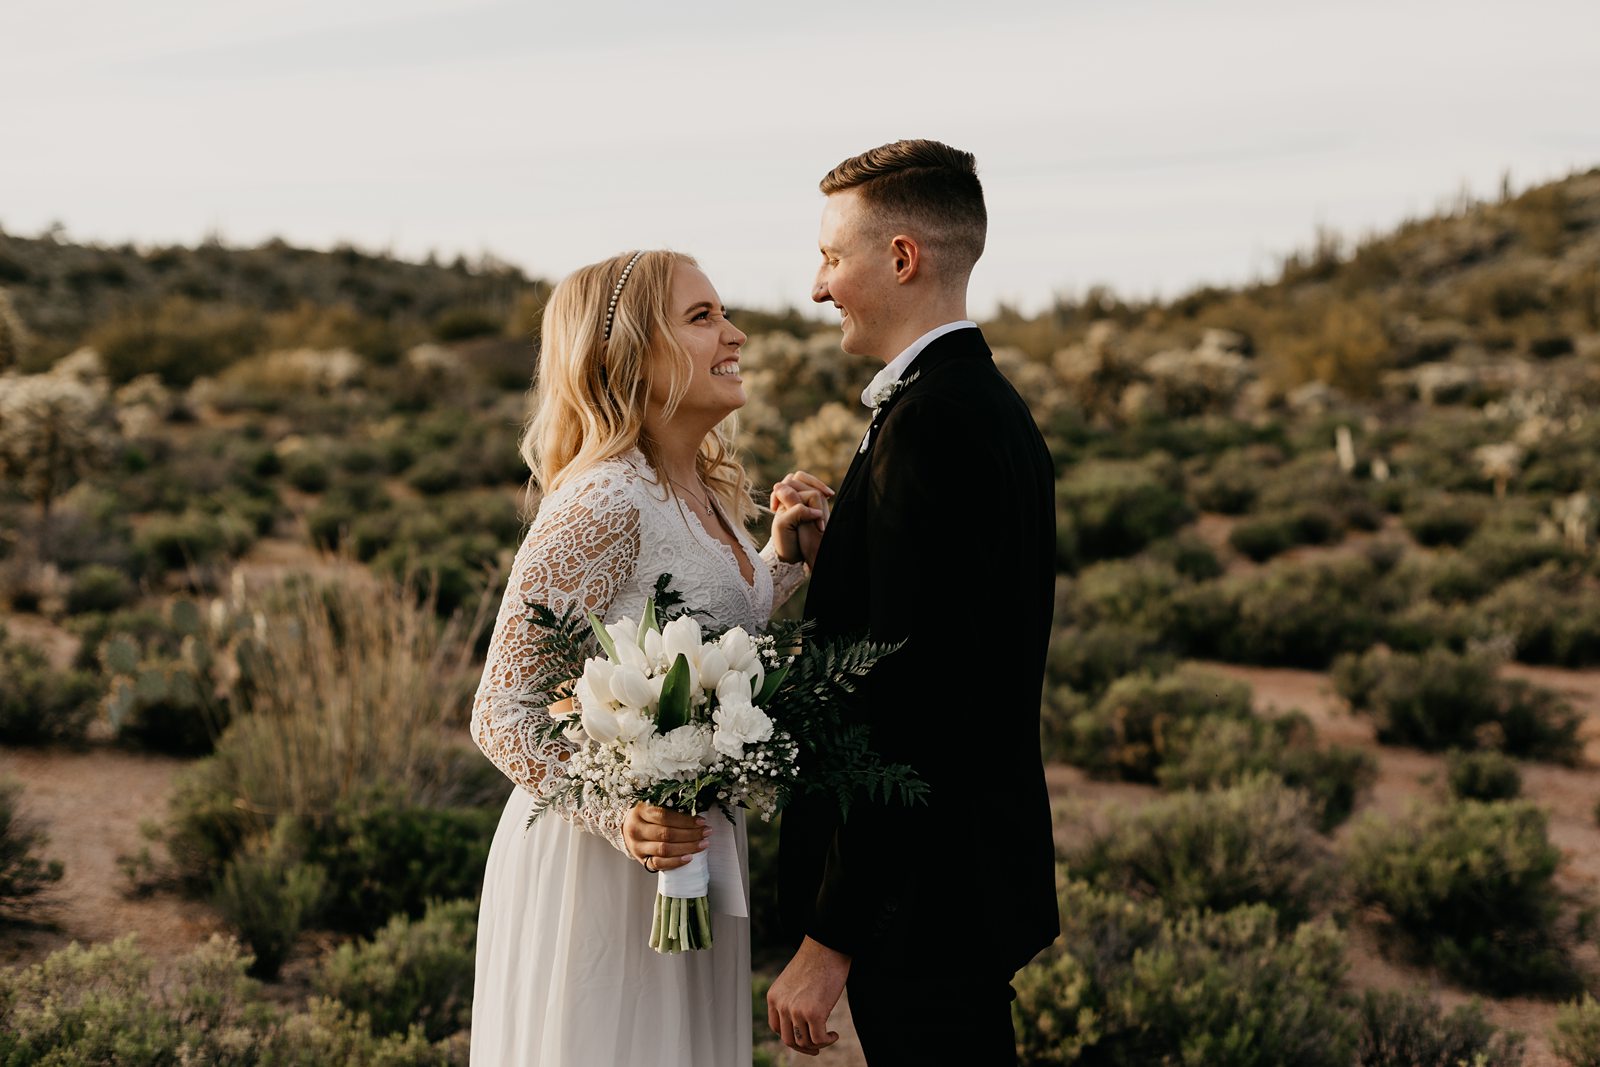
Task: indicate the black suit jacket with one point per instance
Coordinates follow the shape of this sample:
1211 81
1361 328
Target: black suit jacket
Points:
942 534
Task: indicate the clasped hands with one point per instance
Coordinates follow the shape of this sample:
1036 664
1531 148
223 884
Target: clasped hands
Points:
799 516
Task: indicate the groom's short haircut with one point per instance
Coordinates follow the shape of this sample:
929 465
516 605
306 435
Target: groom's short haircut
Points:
923 188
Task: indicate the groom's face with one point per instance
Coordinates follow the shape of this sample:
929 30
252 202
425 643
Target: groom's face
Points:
856 275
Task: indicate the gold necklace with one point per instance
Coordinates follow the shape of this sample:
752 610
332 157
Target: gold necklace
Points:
703 503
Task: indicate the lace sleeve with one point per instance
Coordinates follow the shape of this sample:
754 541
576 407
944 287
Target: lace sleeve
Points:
582 549
786 577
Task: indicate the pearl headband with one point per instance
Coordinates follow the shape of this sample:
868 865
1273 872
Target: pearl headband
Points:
611 308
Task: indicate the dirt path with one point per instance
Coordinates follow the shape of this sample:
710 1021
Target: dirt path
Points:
91 804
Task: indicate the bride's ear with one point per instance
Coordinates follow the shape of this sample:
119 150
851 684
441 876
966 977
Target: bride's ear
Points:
907 255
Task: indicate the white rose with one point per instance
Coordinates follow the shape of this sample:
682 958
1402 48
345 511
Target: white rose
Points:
739 725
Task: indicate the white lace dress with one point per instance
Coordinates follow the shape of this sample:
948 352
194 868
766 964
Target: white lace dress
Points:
565 974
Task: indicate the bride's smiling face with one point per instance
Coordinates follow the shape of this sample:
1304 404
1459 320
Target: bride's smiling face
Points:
701 327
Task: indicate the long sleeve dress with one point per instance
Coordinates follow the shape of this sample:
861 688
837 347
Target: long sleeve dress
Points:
565 974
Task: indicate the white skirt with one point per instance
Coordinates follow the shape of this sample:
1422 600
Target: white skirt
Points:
565 973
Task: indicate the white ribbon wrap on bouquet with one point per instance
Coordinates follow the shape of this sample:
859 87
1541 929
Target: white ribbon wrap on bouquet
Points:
714 872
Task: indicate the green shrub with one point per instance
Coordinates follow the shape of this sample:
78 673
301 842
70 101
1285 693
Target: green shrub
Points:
102 1005
1262 537
1189 555
1410 1030
307 470
412 972
1486 775
1289 614
1127 985
1253 843
1225 751
1232 483
97 588
38 705
1469 885
1089 660
1134 592
24 877
1445 521
383 858
1119 507
1551 616
1440 699
173 542
435 473
269 897
1128 732
1576 1037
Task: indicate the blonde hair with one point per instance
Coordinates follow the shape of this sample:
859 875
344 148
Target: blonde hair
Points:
591 392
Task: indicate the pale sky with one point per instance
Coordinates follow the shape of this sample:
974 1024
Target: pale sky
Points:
1148 144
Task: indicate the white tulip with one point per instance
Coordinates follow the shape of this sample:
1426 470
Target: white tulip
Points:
737 647
734 688
631 688
597 674
713 665
681 638
600 722
756 673
652 646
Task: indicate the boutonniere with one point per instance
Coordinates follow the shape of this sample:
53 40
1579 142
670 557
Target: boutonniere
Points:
881 396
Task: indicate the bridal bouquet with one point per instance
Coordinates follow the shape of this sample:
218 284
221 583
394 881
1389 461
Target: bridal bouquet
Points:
686 719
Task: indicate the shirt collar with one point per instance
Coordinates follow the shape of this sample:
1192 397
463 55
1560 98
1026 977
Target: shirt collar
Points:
897 366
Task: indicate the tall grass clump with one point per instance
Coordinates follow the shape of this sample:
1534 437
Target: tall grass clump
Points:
346 751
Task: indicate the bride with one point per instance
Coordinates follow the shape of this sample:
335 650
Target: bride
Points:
638 371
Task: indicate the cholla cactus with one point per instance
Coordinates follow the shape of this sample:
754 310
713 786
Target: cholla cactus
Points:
1097 372
53 430
825 443
1576 517
13 335
1500 463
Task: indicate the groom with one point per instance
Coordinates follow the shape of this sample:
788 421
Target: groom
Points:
942 535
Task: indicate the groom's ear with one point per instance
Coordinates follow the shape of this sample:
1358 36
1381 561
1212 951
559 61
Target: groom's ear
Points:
907 257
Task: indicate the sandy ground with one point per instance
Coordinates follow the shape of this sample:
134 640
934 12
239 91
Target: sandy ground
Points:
92 802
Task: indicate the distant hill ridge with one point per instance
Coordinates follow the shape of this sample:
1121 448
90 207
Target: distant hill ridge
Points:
1519 276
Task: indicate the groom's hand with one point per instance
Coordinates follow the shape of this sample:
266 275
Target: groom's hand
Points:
804 995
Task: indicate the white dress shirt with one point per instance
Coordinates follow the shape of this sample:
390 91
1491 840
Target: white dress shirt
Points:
900 363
